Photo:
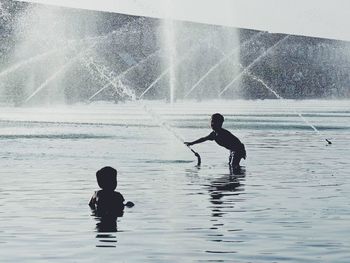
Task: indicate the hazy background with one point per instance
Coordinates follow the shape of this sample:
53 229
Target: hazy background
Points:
327 19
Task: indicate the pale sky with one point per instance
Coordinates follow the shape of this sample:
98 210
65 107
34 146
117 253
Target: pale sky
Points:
319 18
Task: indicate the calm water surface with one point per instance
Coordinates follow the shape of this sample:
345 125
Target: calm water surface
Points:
290 203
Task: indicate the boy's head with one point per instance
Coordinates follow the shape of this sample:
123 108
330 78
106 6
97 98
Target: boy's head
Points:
216 121
107 178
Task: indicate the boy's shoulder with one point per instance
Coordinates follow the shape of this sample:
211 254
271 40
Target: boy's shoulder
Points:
108 193
109 196
118 194
223 132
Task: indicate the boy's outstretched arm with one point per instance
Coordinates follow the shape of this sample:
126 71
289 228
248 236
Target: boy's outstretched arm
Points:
200 140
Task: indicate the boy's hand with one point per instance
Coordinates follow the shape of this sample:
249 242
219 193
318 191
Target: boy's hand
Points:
188 143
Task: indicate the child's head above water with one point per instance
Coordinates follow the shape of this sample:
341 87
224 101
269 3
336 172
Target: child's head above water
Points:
216 121
107 178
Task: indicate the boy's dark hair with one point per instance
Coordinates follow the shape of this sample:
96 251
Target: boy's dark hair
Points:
217 117
107 178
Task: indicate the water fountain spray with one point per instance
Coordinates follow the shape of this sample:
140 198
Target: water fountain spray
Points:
27 62
254 62
114 81
283 99
141 62
93 42
234 51
168 70
165 72
57 73
124 73
165 125
127 91
69 44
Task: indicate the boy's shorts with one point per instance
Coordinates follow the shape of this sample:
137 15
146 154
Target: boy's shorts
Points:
236 156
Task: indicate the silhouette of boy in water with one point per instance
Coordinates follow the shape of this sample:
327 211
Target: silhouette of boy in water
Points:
107 202
224 138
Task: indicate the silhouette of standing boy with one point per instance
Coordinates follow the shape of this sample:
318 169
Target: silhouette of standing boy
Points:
225 139
107 202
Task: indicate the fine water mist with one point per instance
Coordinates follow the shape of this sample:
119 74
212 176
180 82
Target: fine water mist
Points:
81 89
56 55
57 50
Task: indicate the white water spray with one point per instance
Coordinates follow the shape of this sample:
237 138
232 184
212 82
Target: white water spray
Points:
234 51
170 44
253 63
282 99
60 71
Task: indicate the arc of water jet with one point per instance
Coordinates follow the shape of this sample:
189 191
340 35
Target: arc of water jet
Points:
99 91
123 74
46 82
154 116
254 62
154 82
120 76
169 129
165 72
80 41
220 62
264 84
70 62
118 31
150 112
126 72
35 58
57 73
112 81
282 99
144 60
134 66
140 62
26 62
208 72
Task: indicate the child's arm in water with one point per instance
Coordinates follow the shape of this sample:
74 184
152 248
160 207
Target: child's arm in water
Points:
200 140
129 204
121 198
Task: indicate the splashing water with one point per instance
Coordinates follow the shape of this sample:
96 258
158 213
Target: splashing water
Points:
99 91
124 73
253 63
170 68
95 41
107 76
140 63
104 75
4 14
234 51
62 69
283 99
170 43
164 73
29 61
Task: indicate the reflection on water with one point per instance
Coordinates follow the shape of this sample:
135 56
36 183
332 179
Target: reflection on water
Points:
221 191
289 203
106 227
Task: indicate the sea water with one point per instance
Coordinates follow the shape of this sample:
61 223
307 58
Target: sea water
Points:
290 202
